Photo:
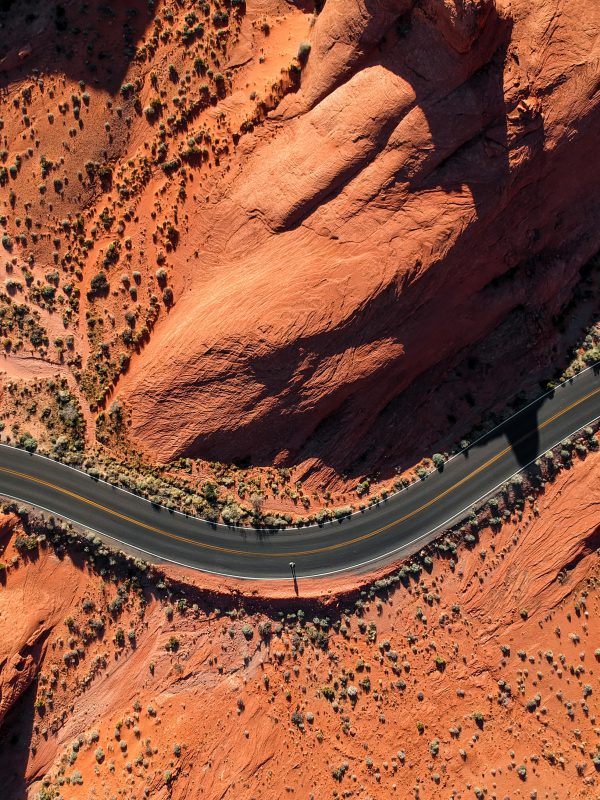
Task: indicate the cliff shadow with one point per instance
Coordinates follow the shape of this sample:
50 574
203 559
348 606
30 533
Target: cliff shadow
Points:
477 160
521 430
89 42
17 729
523 434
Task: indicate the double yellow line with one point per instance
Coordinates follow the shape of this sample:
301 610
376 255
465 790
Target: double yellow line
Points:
313 551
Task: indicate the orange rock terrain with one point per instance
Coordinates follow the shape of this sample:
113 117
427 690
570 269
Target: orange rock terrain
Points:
324 237
276 233
427 189
477 678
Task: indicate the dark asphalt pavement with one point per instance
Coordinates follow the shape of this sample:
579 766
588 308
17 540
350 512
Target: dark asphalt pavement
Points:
367 538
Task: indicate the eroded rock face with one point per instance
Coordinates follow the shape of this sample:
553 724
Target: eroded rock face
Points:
433 182
30 607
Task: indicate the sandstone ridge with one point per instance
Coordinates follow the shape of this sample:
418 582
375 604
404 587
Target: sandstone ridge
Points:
432 183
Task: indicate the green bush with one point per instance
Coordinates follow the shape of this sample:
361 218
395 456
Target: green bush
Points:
99 283
248 631
303 52
438 461
220 18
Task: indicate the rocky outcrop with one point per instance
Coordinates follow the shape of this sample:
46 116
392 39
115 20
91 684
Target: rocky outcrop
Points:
432 187
34 599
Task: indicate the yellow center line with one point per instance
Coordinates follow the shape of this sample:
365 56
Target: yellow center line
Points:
316 550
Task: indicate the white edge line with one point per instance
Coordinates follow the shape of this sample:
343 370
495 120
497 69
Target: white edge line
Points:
315 525
383 557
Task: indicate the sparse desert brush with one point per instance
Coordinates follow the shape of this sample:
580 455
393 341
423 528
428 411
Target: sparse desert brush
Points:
304 49
247 631
99 283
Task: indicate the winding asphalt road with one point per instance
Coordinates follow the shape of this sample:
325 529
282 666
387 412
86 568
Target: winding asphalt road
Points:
408 519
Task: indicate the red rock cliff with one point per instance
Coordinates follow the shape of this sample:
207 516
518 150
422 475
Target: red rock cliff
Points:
433 185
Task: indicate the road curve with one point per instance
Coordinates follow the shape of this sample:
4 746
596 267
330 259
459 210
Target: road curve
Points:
366 538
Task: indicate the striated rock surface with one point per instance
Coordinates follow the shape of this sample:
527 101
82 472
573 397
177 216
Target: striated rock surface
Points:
33 600
431 187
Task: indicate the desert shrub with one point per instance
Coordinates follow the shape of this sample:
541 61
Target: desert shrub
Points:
478 718
363 487
248 631
220 18
231 514
303 52
99 283
298 719
339 772
438 461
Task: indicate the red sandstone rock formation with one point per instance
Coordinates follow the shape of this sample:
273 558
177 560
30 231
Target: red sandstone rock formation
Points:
432 187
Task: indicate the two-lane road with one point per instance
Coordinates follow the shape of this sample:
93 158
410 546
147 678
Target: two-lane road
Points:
374 536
